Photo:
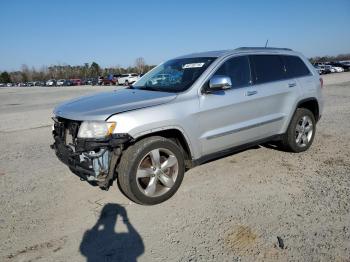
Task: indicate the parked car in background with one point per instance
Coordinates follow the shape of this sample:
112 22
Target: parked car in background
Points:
320 69
39 83
30 83
89 81
93 81
64 82
9 84
338 69
108 82
319 64
75 82
50 82
329 69
67 82
100 80
2 84
326 70
338 64
127 79
60 82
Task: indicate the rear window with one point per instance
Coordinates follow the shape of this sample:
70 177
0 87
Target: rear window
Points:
295 67
268 68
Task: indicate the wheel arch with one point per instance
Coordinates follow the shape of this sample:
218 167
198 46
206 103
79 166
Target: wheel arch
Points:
175 134
310 103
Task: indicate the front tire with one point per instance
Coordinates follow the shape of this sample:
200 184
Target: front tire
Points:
151 170
301 131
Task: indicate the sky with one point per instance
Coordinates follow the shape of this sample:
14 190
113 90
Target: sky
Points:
115 33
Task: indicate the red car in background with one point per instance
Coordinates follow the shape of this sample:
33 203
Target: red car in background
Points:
108 80
76 82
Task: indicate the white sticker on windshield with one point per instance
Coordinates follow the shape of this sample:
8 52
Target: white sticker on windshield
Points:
193 65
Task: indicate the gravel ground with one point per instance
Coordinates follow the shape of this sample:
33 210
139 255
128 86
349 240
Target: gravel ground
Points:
231 209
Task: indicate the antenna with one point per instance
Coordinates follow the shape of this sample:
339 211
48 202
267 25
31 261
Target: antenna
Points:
266 43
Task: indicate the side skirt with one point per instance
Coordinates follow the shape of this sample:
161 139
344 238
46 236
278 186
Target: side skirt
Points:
229 151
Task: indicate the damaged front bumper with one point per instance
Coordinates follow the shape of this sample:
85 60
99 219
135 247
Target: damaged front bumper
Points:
93 160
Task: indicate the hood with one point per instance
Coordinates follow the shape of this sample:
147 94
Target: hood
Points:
102 105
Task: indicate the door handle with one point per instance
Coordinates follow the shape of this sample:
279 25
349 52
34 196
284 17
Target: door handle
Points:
292 84
251 93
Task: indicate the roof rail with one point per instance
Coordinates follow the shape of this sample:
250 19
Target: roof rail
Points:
263 48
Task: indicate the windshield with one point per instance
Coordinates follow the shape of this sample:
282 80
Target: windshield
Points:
176 75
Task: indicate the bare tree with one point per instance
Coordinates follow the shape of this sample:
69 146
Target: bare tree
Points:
16 76
140 64
26 73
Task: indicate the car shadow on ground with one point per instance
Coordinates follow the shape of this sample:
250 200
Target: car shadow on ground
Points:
274 145
103 243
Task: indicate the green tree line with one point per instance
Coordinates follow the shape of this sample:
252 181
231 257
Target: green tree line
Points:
341 57
84 71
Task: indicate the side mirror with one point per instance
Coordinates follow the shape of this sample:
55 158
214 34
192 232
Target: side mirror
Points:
219 82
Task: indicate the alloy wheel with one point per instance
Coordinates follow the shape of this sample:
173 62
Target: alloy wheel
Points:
303 131
157 172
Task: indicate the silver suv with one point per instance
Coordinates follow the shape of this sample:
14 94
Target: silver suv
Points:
185 112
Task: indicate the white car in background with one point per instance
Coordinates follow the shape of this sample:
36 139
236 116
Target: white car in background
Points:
338 69
128 79
51 82
60 82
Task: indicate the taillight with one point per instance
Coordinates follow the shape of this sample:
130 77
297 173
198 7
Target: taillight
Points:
321 81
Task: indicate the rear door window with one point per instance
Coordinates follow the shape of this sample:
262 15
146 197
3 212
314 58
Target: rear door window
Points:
295 67
237 69
267 68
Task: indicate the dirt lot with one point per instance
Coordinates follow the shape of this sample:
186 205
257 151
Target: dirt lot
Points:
232 209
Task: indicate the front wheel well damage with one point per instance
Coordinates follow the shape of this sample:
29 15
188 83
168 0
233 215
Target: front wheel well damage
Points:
176 136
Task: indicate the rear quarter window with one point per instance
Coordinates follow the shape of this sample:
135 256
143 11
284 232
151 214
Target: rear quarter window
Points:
267 68
295 67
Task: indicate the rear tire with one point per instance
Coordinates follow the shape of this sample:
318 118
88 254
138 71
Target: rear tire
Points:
151 170
301 131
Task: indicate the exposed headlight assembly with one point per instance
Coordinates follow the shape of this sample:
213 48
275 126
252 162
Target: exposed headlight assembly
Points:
96 129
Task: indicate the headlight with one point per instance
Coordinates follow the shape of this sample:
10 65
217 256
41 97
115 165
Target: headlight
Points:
96 129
